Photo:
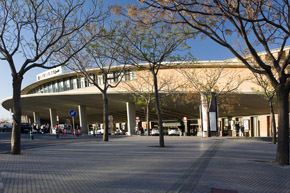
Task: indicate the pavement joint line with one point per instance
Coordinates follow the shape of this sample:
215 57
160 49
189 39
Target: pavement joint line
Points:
191 177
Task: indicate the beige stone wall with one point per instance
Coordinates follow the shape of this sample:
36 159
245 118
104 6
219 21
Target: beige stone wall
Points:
175 80
263 124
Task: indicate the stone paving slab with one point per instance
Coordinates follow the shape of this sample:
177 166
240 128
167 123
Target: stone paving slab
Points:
137 164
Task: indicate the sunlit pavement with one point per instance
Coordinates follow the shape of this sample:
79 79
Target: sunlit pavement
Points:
136 164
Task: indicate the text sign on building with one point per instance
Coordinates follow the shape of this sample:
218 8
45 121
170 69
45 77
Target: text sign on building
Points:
49 73
72 113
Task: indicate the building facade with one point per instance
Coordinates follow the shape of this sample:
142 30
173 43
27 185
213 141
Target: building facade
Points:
50 99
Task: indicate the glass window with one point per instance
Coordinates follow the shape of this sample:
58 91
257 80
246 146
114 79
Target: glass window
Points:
49 88
78 83
93 78
71 84
45 88
60 86
82 82
127 76
56 86
133 76
66 85
111 78
74 82
100 79
53 87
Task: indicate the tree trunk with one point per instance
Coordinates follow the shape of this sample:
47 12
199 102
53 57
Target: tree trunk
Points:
208 123
147 119
160 122
273 123
282 154
105 116
17 111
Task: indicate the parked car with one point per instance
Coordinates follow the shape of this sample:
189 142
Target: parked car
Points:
100 132
97 132
173 131
154 132
118 132
65 128
26 127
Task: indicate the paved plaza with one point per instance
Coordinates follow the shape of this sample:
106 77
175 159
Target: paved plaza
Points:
136 164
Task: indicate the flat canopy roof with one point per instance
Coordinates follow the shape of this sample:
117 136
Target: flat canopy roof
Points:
244 104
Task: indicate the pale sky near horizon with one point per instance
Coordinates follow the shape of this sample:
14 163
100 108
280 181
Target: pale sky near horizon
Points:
200 49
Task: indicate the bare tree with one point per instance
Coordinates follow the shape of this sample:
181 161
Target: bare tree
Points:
103 66
257 24
210 83
40 32
143 90
269 93
152 45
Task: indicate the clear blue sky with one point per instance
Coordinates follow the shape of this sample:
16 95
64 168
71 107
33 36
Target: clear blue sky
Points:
200 49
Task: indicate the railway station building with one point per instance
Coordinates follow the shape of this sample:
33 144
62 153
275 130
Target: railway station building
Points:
55 93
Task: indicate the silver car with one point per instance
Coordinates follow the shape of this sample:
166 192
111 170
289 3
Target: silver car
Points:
154 132
173 131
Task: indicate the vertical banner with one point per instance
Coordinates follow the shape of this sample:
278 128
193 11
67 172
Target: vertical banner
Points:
212 114
213 121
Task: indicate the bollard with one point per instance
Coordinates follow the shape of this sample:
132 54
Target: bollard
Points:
31 135
56 132
77 132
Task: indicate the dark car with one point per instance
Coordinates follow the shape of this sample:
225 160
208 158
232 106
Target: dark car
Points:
25 127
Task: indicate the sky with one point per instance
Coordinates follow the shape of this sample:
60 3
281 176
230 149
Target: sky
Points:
201 49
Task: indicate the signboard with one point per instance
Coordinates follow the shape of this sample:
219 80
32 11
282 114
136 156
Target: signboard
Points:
49 73
212 118
72 113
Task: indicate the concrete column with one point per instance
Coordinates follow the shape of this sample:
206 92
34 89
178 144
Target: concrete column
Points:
36 118
83 119
52 114
24 119
131 116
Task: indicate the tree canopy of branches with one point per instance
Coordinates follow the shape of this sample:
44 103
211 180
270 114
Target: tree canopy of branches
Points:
143 90
153 45
102 55
256 24
210 83
40 31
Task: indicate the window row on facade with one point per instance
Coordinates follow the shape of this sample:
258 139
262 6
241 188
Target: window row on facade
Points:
75 82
